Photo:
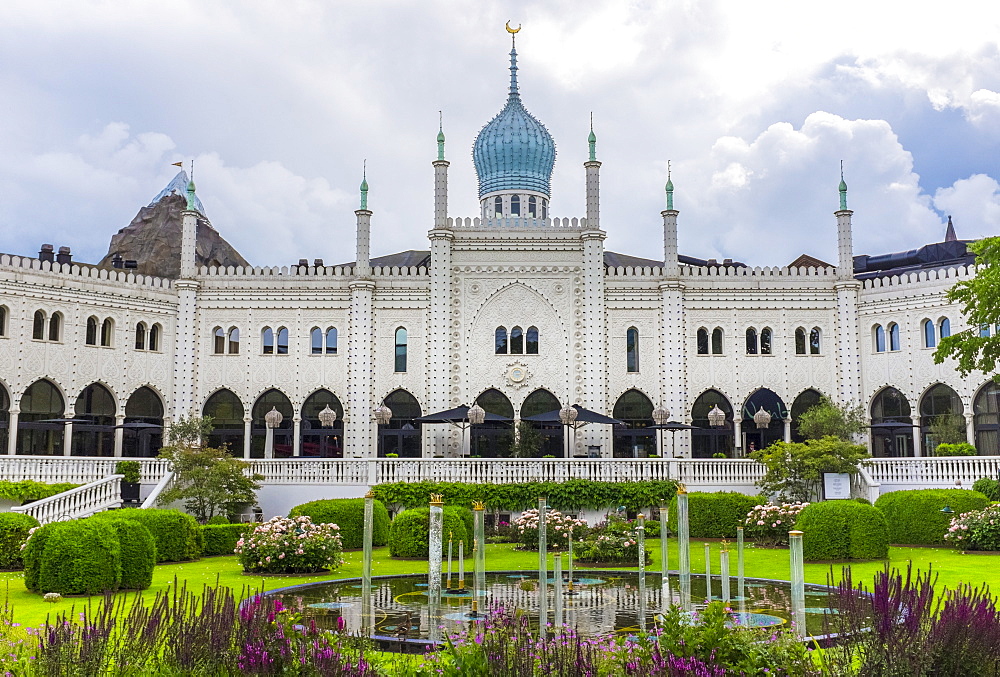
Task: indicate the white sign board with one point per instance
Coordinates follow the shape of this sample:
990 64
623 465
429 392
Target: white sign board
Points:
836 485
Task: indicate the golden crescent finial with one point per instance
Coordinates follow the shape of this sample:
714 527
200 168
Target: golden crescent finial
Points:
512 30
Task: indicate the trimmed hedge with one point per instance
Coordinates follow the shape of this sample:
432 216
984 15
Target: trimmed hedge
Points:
915 516
80 557
30 490
349 515
408 533
989 487
220 539
714 515
177 535
842 530
33 550
138 554
14 528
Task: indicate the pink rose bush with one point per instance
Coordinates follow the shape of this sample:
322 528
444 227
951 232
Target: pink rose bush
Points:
976 530
769 524
557 529
291 545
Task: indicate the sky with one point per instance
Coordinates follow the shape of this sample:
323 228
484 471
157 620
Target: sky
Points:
280 104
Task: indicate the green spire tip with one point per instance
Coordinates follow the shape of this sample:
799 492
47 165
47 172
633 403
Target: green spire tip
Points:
364 186
440 138
592 140
843 187
669 188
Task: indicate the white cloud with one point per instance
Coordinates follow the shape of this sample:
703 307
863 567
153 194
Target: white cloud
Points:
974 203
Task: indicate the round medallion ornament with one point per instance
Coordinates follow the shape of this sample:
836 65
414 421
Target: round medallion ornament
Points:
517 374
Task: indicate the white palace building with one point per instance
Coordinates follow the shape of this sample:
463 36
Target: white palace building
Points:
517 310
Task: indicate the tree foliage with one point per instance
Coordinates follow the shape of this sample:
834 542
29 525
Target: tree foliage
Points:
189 432
829 419
795 470
980 299
527 443
948 429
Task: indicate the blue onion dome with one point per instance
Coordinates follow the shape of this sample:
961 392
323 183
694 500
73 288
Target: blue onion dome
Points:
514 151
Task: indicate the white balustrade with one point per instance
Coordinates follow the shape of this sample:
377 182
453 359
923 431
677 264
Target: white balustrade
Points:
82 501
165 483
940 472
74 469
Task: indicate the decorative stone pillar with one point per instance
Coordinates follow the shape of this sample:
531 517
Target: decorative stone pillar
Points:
119 434
359 435
13 416
595 332
917 438
296 435
970 428
438 344
247 439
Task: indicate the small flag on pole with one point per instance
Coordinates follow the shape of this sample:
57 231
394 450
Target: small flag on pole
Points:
177 164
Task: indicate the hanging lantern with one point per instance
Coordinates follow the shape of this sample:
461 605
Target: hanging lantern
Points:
476 414
661 415
568 415
327 417
383 414
716 417
273 418
762 418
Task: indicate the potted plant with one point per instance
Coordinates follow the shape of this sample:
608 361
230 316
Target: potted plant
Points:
130 481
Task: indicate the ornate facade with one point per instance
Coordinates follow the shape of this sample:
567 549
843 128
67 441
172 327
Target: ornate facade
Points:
516 309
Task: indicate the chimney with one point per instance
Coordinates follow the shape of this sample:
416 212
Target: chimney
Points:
318 263
116 260
46 253
712 262
64 255
727 262
304 263
131 264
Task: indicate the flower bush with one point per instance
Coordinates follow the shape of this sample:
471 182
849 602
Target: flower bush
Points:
290 545
614 541
976 530
769 524
557 529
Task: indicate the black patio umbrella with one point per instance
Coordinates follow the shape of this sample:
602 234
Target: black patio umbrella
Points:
583 416
456 416
674 426
889 426
65 420
139 425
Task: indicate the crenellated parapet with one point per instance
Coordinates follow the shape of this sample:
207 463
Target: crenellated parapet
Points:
515 223
86 272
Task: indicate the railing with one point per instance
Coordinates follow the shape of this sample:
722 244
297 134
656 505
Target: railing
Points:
939 472
80 502
75 469
696 472
864 486
160 487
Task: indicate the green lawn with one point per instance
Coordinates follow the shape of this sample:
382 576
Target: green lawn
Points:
954 569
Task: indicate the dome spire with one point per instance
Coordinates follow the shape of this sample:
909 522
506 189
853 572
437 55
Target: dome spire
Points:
364 185
513 58
669 188
592 140
440 138
843 187
191 197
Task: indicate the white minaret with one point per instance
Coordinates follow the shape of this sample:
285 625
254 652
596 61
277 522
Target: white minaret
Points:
593 168
847 338
595 348
435 437
360 431
187 315
673 329
670 266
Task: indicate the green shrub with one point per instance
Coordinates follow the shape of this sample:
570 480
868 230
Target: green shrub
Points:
408 533
218 519
291 545
81 557
976 530
915 516
349 515
33 550
138 554
177 535
30 490
959 449
841 530
220 539
14 528
714 515
130 469
989 487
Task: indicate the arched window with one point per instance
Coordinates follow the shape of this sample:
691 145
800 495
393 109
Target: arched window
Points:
318 440
55 327
234 341
986 408
532 206
226 411
531 341
143 406
498 207
891 406
38 327
316 341
930 337
401 349
879 339
751 341
96 437
267 341
140 336
219 342
800 341
271 399
516 341
515 205
702 341
545 208
755 438
154 338
717 341
944 327
3 320
941 418
632 350
91 336
708 440
894 336
806 400
814 341
282 341
107 332
633 439
331 341
41 401
402 435
765 341
500 340
492 439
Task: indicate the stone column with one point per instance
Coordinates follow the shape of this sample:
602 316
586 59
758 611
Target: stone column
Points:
14 415
296 435
359 435
917 438
595 332
247 439
438 344
970 428
186 341
119 434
